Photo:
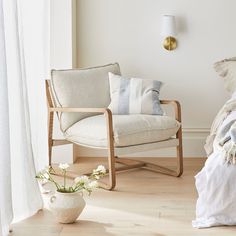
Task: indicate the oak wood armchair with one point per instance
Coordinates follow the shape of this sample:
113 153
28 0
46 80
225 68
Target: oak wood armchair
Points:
73 110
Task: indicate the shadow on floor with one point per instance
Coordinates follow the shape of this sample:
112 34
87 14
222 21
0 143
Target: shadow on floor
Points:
44 224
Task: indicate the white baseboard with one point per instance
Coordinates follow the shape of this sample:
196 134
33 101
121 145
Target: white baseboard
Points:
62 154
194 141
193 146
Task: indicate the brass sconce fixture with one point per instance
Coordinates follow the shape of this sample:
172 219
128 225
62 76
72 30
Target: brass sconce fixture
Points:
169 32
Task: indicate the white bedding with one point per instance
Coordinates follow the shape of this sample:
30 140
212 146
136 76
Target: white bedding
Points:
216 186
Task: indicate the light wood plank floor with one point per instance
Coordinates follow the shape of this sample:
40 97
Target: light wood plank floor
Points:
144 203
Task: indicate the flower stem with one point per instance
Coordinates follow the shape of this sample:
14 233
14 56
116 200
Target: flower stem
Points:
53 181
64 179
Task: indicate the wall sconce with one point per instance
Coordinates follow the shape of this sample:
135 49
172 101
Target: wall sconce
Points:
169 32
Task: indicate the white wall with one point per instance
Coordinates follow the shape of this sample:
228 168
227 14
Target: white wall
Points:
61 34
63 56
128 31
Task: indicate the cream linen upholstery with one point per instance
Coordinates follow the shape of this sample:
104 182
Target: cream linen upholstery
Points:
81 98
128 130
81 88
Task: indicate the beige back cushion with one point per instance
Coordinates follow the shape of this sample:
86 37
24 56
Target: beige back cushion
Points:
84 88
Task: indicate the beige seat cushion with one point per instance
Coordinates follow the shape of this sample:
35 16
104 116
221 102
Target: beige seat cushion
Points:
128 130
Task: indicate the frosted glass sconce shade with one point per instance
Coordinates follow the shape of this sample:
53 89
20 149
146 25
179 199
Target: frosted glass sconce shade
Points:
169 32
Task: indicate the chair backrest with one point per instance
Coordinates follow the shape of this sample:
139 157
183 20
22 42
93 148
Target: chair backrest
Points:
84 88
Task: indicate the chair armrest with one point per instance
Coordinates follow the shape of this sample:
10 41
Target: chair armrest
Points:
107 112
76 109
176 106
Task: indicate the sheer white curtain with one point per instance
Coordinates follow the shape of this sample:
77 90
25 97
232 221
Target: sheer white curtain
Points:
24 58
5 163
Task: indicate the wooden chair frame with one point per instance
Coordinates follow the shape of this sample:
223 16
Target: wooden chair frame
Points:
112 159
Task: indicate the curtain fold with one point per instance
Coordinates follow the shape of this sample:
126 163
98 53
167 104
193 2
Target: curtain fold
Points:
6 214
24 29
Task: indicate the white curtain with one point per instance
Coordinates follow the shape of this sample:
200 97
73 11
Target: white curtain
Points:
5 164
24 58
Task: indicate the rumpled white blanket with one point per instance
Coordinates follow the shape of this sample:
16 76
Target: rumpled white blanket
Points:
216 186
216 136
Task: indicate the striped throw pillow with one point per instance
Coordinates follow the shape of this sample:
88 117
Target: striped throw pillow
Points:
134 96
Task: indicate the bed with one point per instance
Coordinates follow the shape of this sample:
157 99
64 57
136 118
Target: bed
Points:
216 182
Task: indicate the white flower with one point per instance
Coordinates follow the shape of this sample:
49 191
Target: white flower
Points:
63 166
101 169
82 179
46 176
93 185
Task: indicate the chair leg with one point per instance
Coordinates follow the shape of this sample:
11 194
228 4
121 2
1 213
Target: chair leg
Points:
179 152
111 172
50 133
49 154
111 153
75 158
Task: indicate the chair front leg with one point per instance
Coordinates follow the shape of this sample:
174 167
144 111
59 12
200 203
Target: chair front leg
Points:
179 148
111 167
50 133
111 152
179 152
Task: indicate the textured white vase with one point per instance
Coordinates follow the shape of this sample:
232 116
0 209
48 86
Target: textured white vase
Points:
66 207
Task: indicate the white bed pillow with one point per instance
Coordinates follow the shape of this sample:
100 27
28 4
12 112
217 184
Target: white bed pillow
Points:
134 96
227 70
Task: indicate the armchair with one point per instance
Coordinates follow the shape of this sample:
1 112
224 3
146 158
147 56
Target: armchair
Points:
79 97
